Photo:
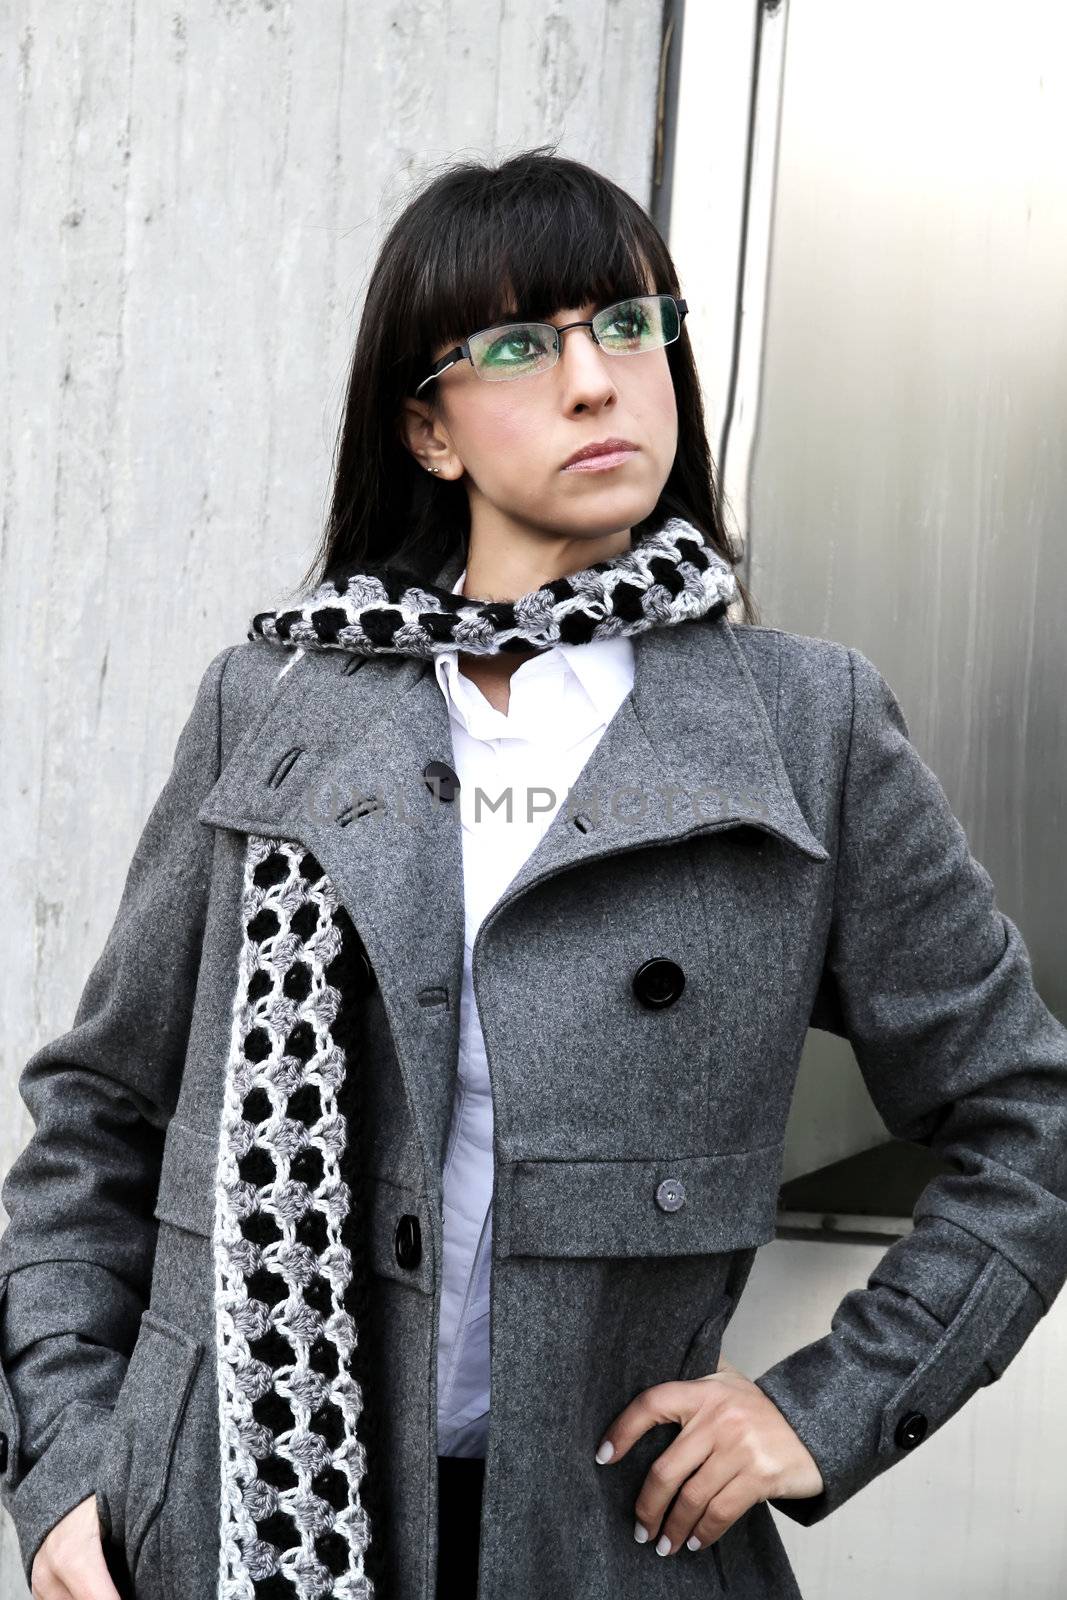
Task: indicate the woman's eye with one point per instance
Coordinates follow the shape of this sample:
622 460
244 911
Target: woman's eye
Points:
630 324
517 346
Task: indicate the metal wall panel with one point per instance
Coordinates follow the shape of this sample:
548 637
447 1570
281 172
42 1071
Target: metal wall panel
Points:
869 212
909 481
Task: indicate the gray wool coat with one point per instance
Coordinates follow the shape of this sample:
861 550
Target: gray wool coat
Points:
785 846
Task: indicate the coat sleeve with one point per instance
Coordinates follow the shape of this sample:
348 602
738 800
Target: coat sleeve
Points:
76 1255
932 984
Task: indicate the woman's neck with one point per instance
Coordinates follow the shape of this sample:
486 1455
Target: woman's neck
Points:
504 566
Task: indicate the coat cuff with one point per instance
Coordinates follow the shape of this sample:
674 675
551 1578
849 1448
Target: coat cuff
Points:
65 1474
903 1356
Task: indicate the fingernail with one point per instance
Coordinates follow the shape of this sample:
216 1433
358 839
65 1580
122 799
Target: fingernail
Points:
605 1451
692 1543
640 1533
663 1545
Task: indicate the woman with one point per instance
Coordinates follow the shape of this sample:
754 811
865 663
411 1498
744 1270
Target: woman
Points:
519 741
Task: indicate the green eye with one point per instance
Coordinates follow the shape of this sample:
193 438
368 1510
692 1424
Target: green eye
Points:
630 326
518 347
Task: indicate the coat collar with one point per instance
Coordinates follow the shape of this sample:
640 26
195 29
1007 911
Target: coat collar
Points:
347 726
337 764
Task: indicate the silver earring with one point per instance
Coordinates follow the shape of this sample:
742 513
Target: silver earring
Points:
434 469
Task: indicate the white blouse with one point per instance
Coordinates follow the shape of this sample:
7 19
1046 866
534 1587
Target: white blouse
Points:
560 703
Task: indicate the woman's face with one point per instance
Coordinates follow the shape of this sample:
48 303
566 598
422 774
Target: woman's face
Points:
509 441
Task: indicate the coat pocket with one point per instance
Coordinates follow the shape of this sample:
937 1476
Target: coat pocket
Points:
145 1425
702 1356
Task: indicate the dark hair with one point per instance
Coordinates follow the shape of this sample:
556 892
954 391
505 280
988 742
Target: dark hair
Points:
479 243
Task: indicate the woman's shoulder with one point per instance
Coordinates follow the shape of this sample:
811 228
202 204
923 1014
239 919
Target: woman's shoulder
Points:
808 682
798 664
254 667
236 689
763 642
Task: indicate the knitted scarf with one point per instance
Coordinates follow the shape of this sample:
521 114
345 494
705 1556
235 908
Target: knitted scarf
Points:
667 576
291 1284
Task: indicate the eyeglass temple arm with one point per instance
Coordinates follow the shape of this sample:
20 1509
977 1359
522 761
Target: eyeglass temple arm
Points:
449 359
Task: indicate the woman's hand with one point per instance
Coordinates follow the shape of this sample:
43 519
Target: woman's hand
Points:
70 1563
734 1449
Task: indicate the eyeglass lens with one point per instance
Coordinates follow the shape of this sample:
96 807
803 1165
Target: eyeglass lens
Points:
519 349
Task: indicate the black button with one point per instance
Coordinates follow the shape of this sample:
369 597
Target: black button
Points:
658 982
3 1452
408 1242
911 1430
441 781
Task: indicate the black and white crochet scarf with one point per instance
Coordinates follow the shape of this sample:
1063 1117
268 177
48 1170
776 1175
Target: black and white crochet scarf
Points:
288 1282
670 575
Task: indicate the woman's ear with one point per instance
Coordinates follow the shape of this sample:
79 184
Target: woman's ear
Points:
414 425
422 433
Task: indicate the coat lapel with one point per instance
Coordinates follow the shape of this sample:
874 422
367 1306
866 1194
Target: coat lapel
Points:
333 747
690 750
337 764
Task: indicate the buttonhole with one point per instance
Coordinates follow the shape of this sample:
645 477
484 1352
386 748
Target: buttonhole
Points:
284 767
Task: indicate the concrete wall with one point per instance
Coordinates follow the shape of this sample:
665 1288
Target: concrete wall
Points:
191 197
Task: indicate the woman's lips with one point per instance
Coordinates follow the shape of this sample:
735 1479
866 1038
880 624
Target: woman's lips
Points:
611 458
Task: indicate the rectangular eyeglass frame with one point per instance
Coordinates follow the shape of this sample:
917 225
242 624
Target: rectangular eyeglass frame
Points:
461 351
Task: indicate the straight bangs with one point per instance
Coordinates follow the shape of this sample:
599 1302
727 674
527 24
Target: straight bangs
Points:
526 249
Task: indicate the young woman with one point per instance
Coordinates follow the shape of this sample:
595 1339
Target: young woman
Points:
421 1119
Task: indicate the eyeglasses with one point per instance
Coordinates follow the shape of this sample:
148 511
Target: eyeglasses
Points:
511 350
